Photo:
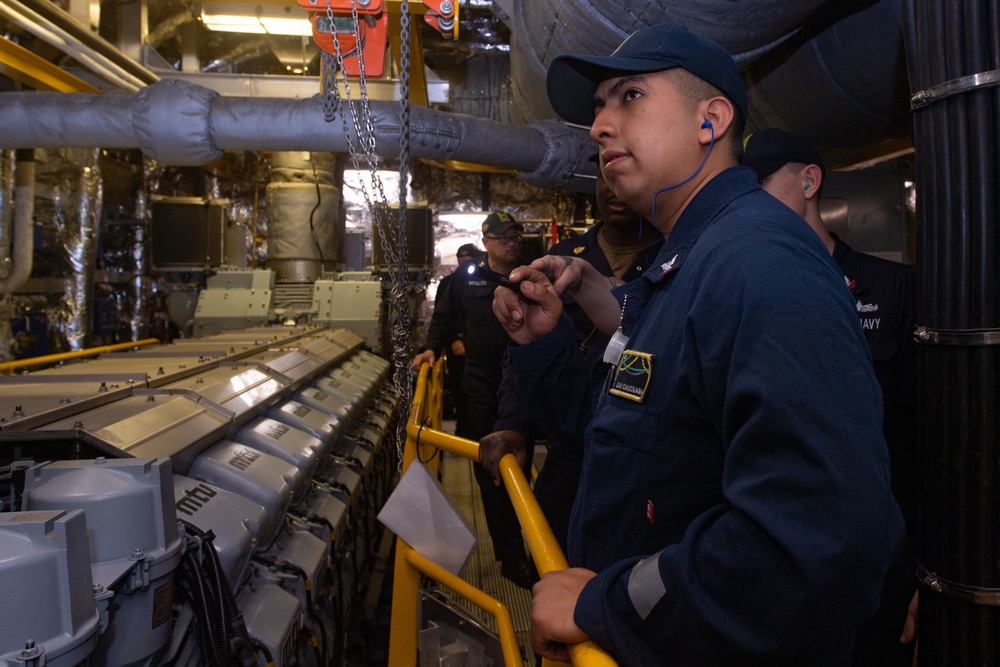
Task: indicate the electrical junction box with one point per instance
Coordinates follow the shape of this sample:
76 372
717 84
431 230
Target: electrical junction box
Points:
234 299
354 305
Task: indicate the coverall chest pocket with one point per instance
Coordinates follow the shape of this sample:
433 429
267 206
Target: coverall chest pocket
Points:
621 473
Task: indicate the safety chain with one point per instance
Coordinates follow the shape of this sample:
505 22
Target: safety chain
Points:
393 244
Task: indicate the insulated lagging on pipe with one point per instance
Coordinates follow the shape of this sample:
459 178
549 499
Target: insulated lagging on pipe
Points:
179 123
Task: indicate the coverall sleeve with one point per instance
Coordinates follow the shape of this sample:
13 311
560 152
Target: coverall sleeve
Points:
552 382
512 415
447 322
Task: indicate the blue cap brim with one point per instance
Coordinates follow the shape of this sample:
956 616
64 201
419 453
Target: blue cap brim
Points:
572 81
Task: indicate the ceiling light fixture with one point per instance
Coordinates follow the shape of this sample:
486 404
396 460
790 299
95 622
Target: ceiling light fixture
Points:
272 19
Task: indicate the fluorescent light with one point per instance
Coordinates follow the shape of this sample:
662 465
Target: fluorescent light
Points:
255 19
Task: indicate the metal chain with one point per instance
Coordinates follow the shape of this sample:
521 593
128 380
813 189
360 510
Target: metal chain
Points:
393 238
328 74
404 371
328 86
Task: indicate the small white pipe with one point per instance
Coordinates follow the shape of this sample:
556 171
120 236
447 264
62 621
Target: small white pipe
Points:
24 213
45 30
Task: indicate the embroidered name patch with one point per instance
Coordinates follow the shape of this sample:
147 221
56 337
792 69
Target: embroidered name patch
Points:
635 370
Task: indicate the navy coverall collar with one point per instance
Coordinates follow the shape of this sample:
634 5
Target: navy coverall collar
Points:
716 195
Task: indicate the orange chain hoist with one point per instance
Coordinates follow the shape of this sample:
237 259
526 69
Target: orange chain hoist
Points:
368 42
370 39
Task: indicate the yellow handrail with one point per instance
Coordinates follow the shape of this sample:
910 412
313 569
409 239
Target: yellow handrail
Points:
9 367
425 412
508 638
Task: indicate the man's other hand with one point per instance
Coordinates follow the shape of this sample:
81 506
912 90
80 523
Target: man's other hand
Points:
425 356
494 446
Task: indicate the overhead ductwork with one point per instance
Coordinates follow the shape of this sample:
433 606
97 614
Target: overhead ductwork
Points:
833 71
179 123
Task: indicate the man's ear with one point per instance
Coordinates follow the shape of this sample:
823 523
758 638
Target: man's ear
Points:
812 180
717 116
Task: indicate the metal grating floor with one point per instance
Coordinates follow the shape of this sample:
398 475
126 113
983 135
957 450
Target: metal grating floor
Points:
483 571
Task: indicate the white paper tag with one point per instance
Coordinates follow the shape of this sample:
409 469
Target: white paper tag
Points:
613 352
422 513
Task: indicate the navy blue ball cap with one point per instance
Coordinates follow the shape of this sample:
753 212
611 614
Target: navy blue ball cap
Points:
770 149
498 222
573 79
468 250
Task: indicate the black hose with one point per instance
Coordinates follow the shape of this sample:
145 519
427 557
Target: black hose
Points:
319 201
238 639
262 647
193 585
213 576
230 639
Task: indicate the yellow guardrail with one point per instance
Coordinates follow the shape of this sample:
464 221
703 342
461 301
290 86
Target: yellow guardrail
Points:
9 367
424 437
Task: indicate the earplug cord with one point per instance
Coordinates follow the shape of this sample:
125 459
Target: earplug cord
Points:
706 125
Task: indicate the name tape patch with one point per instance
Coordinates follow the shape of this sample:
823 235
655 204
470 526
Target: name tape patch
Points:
632 377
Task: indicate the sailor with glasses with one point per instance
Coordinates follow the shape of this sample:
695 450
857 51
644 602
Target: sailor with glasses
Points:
467 309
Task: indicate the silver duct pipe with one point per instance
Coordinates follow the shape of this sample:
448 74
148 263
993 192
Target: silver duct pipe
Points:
81 247
140 286
6 213
857 96
179 123
542 29
20 258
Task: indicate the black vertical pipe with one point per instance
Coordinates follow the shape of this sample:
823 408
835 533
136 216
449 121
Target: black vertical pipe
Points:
957 143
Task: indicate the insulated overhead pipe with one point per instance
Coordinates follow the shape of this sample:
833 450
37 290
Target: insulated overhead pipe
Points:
831 70
180 123
953 55
543 29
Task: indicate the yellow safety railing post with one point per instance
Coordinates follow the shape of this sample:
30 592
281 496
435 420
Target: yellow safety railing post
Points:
423 432
406 579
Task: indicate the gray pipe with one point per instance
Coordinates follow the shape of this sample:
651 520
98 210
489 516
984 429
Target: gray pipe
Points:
179 123
24 214
857 94
543 29
6 212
